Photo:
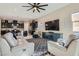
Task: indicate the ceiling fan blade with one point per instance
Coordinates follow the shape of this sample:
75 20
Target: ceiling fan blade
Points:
30 9
43 5
42 8
30 4
34 3
33 10
26 6
38 10
38 3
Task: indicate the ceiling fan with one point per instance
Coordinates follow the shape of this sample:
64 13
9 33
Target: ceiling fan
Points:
36 7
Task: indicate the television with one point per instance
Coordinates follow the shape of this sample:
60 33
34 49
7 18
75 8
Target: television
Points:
52 25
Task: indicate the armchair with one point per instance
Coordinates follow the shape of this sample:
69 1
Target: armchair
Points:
58 50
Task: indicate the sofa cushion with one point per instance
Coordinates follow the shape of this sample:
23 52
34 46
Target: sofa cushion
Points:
55 48
10 39
4 47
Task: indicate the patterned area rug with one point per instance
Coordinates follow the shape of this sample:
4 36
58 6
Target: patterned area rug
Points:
40 47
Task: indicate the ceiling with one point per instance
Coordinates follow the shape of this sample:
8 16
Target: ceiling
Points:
14 10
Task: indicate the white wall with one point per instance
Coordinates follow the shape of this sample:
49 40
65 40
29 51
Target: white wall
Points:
65 16
41 26
26 26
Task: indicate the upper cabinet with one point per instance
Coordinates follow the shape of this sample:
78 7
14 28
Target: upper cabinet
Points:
11 24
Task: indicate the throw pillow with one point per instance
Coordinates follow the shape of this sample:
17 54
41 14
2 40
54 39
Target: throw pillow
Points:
60 41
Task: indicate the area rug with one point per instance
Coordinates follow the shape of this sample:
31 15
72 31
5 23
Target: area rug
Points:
40 47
